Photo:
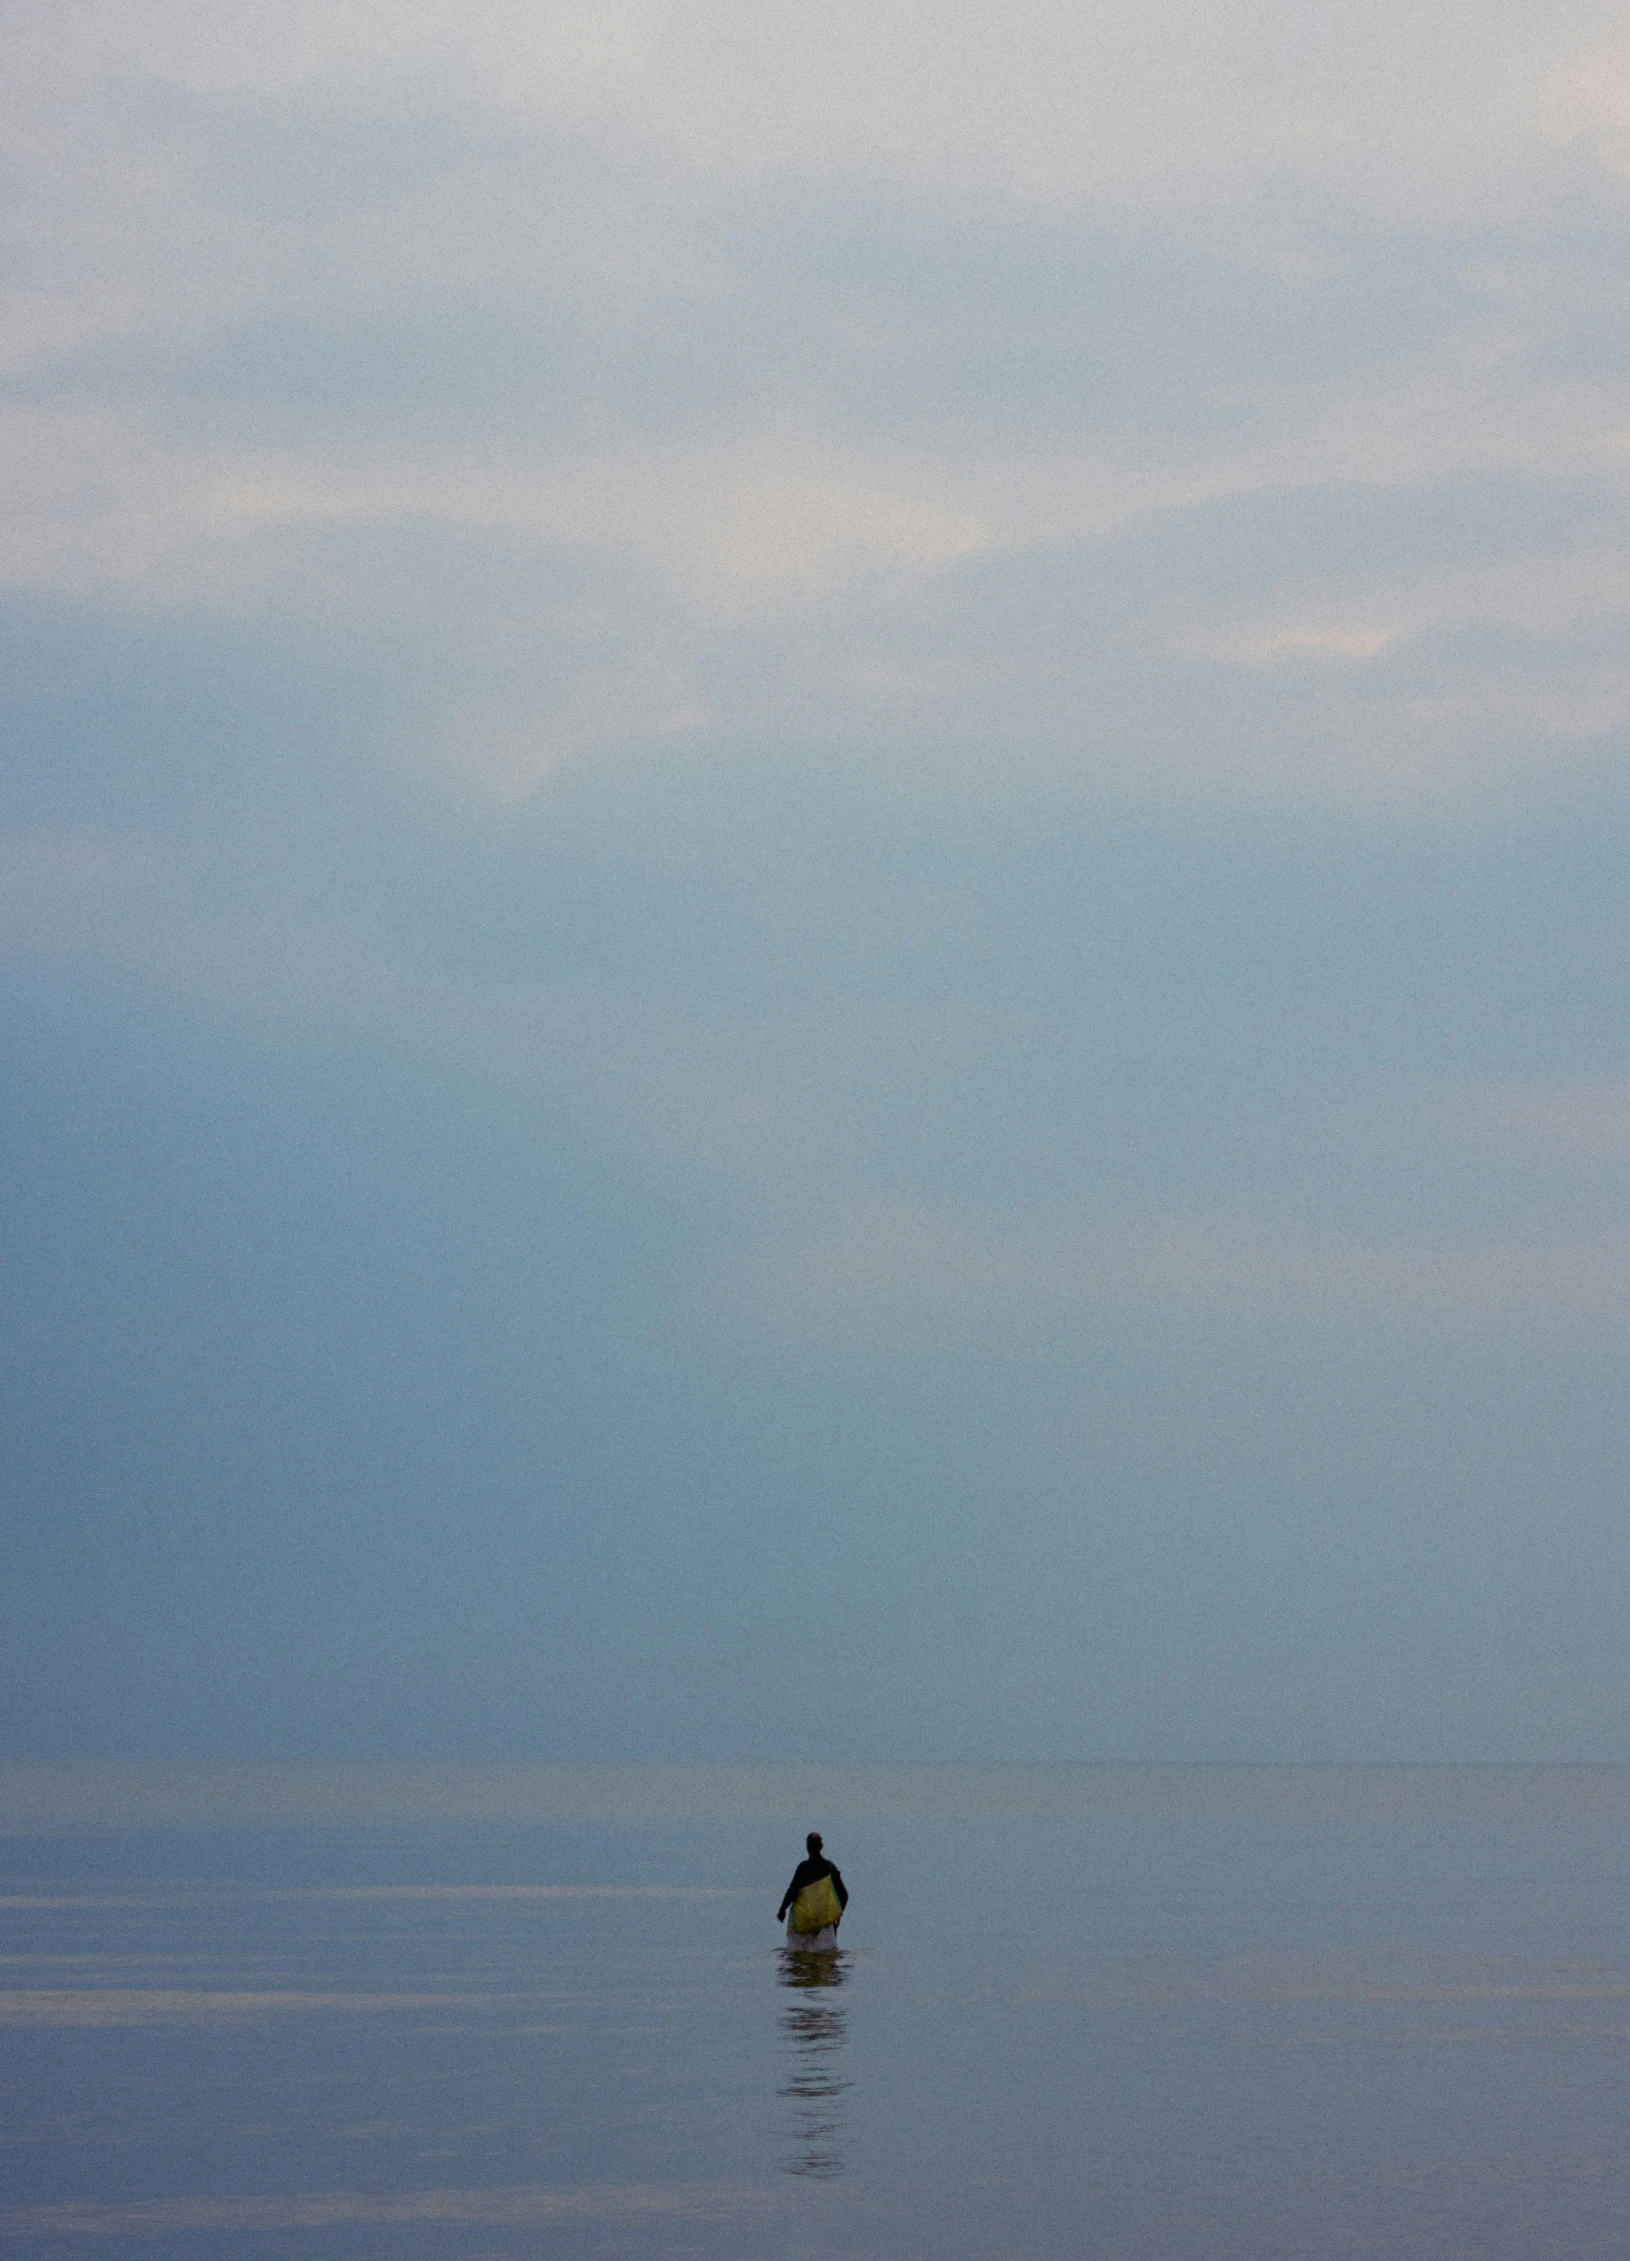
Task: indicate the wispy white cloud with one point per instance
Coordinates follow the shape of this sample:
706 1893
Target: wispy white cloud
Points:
785 319
1127 101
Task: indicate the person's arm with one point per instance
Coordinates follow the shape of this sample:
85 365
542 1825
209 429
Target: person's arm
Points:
840 1888
799 1879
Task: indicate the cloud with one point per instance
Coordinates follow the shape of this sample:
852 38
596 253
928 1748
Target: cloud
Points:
701 702
774 331
909 1273
1562 1122
1128 102
657 1072
130 910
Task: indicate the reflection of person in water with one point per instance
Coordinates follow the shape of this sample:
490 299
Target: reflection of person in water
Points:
812 2024
814 1901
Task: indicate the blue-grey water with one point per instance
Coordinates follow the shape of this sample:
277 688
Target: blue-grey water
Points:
1165 2015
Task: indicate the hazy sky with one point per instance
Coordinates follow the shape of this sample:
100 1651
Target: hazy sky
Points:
813 879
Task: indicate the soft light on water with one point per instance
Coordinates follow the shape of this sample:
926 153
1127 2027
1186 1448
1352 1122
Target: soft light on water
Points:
1160 2014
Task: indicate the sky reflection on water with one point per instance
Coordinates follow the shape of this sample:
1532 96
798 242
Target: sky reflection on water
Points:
1168 2037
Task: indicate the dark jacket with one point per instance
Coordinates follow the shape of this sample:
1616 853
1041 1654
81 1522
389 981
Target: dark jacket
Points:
811 1872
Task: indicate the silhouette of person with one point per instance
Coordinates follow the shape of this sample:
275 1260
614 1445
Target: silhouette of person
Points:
814 1901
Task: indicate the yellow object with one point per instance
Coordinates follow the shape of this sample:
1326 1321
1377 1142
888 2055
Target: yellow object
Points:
816 1906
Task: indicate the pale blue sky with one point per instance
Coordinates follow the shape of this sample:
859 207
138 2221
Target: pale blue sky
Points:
812 876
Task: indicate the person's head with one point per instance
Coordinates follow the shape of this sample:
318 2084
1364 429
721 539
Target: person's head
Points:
813 1840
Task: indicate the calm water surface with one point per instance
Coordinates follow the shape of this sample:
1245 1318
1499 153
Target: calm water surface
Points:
1356 2023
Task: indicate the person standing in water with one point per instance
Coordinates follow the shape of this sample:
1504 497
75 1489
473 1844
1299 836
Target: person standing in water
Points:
814 1901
